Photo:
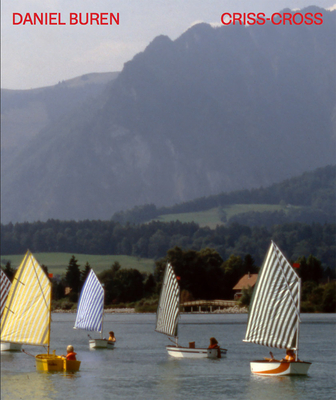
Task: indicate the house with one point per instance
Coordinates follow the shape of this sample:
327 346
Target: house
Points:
246 281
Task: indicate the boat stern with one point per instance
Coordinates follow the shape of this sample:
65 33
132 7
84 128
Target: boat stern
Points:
98 343
71 365
8 346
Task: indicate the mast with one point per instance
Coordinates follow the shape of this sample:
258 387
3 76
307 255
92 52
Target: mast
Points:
101 332
178 315
49 324
298 325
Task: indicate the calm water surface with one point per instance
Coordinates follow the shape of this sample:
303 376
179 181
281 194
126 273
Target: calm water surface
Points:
139 367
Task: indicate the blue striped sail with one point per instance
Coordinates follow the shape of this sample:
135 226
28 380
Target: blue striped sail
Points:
91 305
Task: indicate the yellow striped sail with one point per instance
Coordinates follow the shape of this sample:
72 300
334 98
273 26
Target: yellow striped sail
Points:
26 317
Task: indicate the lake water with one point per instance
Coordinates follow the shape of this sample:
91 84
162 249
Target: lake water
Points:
139 367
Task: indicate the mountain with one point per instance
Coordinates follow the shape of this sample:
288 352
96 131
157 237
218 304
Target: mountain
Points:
25 112
218 109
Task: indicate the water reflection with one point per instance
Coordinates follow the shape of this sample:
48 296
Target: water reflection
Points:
28 386
139 367
276 386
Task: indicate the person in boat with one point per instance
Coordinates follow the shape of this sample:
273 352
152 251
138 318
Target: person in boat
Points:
214 345
71 355
290 356
111 337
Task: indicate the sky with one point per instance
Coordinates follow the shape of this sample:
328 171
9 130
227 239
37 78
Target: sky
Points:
36 56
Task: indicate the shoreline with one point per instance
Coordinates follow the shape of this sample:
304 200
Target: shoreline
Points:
229 310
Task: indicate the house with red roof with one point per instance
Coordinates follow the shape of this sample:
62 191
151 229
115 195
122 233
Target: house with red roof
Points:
246 281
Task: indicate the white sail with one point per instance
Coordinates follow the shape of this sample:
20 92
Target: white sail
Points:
275 306
168 308
91 305
26 317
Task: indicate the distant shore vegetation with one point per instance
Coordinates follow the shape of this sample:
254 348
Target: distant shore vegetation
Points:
202 275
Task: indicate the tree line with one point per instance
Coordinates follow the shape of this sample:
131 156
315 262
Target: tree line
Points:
202 275
154 239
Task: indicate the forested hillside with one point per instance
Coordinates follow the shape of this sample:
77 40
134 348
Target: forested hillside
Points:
154 239
314 192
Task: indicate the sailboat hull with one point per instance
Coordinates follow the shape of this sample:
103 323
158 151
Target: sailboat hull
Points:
100 344
277 368
53 363
8 346
189 352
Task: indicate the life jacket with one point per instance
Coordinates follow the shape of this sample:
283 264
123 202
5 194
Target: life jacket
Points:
71 356
289 358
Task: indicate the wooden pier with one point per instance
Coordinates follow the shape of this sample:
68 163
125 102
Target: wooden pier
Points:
206 305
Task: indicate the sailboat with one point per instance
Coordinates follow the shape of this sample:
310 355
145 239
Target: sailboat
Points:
90 313
167 317
5 284
27 315
274 315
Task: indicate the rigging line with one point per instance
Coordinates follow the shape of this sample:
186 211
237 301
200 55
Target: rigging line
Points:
38 280
9 310
26 352
281 268
16 279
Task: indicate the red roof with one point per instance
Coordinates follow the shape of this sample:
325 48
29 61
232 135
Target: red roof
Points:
246 281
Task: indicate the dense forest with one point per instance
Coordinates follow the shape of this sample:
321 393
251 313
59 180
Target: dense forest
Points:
154 239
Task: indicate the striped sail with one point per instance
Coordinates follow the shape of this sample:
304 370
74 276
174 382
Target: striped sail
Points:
275 306
168 308
26 317
91 305
4 289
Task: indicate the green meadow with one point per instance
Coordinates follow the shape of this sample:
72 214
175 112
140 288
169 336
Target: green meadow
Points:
212 217
58 262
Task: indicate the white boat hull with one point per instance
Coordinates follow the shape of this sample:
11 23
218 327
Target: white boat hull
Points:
7 346
277 368
100 344
189 352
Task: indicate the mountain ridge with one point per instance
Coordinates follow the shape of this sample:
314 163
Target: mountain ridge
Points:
208 112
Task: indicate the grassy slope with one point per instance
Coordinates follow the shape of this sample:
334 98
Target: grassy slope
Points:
57 262
212 217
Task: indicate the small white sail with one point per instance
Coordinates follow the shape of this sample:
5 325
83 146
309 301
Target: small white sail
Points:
168 308
91 305
275 306
26 317
5 284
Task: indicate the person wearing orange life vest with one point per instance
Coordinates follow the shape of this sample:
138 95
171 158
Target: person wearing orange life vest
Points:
111 337
214 345
71 355
290 356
